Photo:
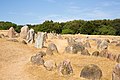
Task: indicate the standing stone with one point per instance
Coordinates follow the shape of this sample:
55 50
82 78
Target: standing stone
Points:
65 68
116 72
39 42
74 48
37 59
95 53
11 32
30 36
92 72
87 45
85 52
104 53
103 45
50 65
53 47
70 41
118 58
24 32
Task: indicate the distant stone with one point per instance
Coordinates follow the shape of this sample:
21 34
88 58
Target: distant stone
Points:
71 41
23 42
116 72
65 68
50 65
118 58
37 59
53 47
49 51
87 45
103 45
2 36
104 53
11 33
92 72
74 48
24 32
95 53
85 52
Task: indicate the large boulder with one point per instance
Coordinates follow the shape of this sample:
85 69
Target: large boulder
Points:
74 48
65 68
11 33
50 65
24 32
116 72
92 72
37 59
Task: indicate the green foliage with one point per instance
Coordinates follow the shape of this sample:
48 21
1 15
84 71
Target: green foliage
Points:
67 31
96 27
106 30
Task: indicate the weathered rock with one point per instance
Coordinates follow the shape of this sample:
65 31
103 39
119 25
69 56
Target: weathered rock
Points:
30 36
112 57
2 36
39 42
87 45
65 68
116 72
23 42
50 65
74 48
92 72
71 41
24 32
49 51
11 33
103 45
53 47
96 53
85 52
104 53
118 58
37 59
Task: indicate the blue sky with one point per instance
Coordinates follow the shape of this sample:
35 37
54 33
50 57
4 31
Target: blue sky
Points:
37 11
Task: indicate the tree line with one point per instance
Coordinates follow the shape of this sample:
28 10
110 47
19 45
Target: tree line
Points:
92 27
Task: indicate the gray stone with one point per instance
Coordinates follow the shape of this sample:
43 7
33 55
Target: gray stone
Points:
74 48
53 47
103 45
11 33
50 65
2 36
92 72
104 53
85 52
37 59
30 36
65 68
95 53
39 42
24 32
116 72
87 45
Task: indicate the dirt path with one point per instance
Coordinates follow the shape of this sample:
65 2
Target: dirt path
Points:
13 58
